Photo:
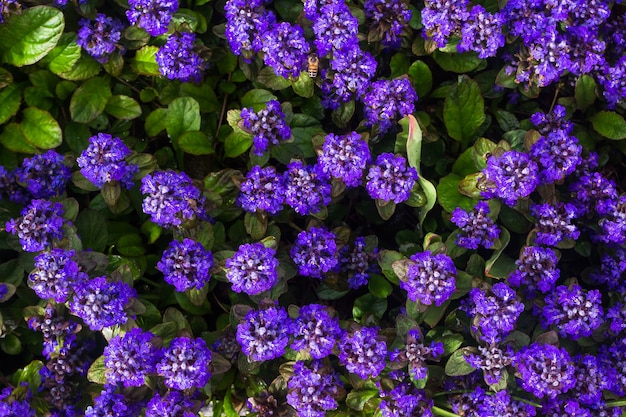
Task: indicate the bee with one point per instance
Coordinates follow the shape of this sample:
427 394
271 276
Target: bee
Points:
313 65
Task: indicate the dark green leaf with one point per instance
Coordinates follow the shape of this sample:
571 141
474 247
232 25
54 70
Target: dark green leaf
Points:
386 258
196 143
89 100
257 98
459 63
421 78
369 304
464 110
385 208
449 196
237 143
399 65
85 68
268 78
356 399
92 229
28 37
131 245
11 98
41 129
324 292
303 85
434 314
64 56
379 286
156 122
585 91
609 124
496 267
123 107
457 365
256 224
144 62
14 140
183 115
203 94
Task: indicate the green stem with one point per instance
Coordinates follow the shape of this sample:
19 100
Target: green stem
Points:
443 413
616 403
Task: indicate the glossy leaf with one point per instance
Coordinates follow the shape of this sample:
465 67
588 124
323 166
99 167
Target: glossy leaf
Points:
609 124
90 100
41 129
464 110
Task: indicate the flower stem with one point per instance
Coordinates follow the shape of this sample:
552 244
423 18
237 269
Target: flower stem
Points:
443 413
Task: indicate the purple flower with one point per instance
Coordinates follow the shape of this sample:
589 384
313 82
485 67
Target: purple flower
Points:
253 269
557 154
536 270
591 379
574 312
263 190
313 389
492 360
442 18
185 364
44 175
152 15
415 352
387 101
502 405
9 187
130 358
100 37
614 361
614 224
564 407
178 59
55 329
586 51
55 275
307 189
316 331
267 126
110 404
477 228
405 400
172 404
358 264
100 303
335 28
104 161
510 177
552 122
388 18
363 352
390 178
186 265
246 23
430 278
545 370
172 198
554 223
352 71
494 312
613 80
593 194
285 49
264 334
41 223
612 270
315 252
345 157
482 32
616 317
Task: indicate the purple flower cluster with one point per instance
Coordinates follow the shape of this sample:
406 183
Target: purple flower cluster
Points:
263 190
363 352
101 303
494 313
264 334
103 161
110 403
536 271
442 18
152 15
172 404
430 278
388 18
575 313
593 194
512 176
315 252
307 189
405 400
172 198
55 328
267 125
44 175
178 59
55 275
285 49
186 265
9 187
100 37
316 331
313 389
185 364
358 264
477 228
482 32
415 352
9 404
252 269
554 223
130 358
591 379
335 28
492 360
545 370
40 224
352 71
613 225
390 178
387 101
557 154
345 157
246 24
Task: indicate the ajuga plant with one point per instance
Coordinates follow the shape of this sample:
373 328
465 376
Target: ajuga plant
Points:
309 208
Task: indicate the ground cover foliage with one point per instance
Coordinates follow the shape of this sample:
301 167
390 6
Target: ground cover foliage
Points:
312 208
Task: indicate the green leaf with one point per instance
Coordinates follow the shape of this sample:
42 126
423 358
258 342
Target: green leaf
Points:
144 62
85 68
89 100
449 196
500 265
229 410
257 98
256 224
399 65
585 92
303 85
385 208
64 56
196 143
183 115
386 258
609 124
30 374
123 107
369 304
236 144
379 286
268 78
156 122
459 63
457 365
41 129
11 98
14 140
464 110
91 226
97 372
131 245
421 78
28 37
